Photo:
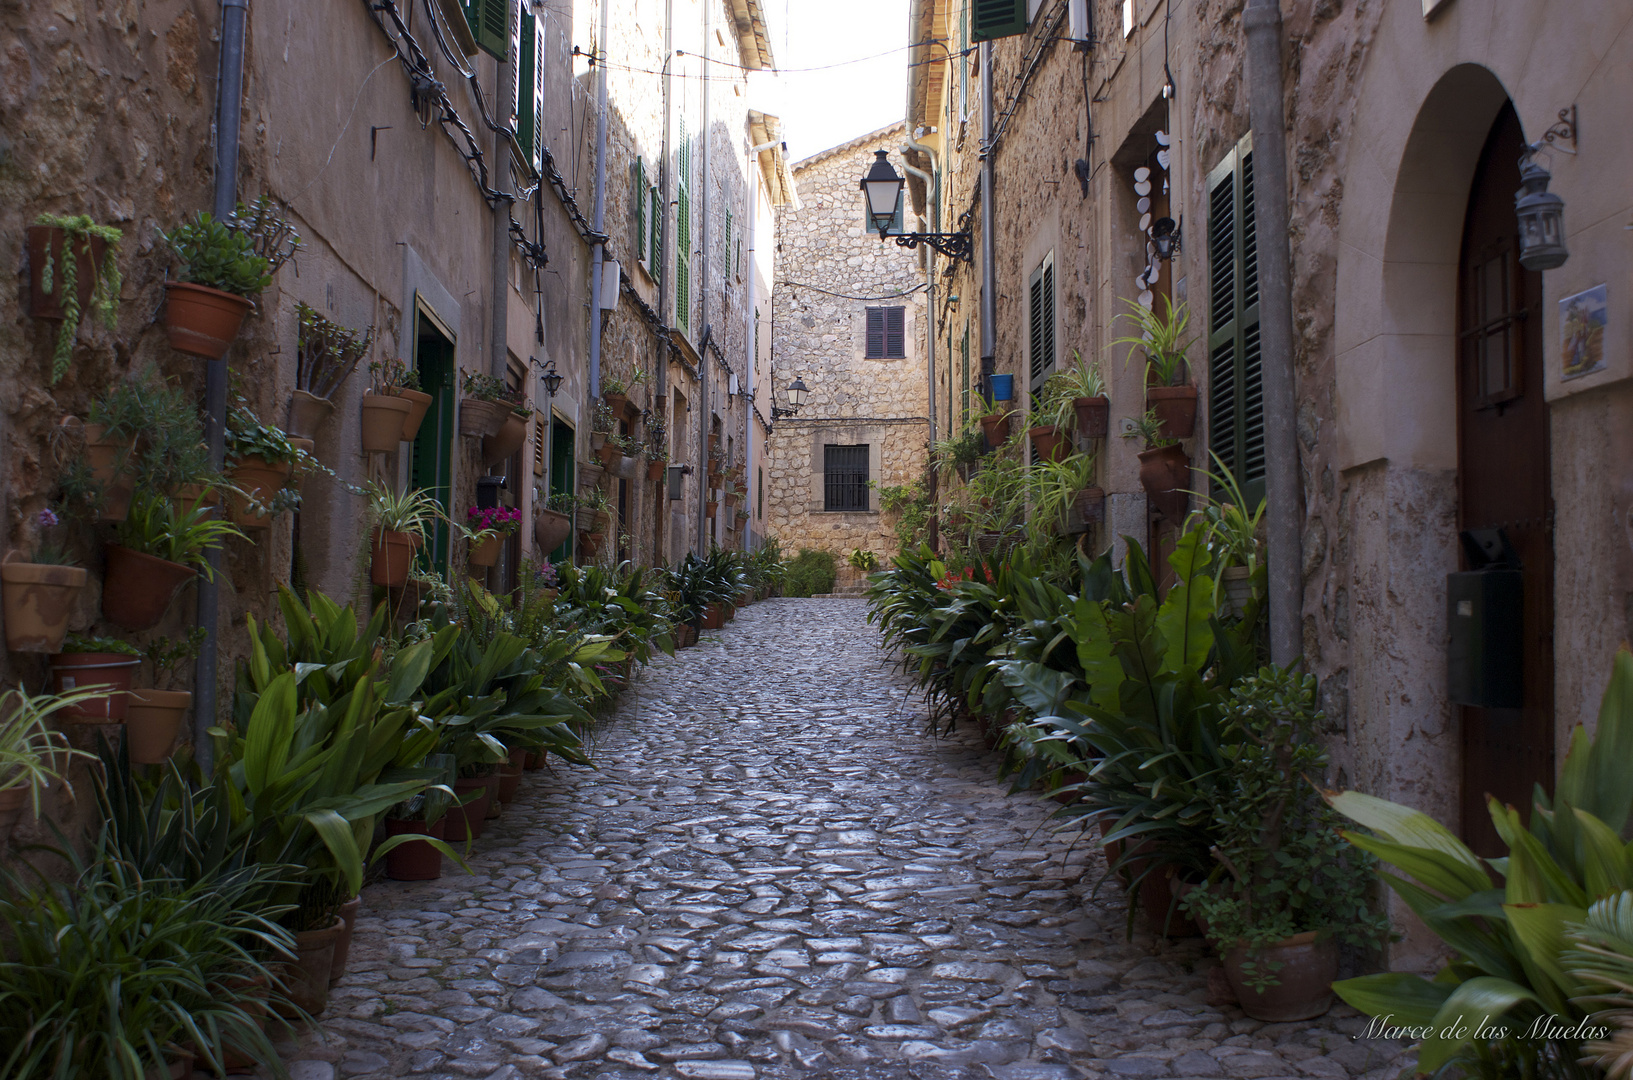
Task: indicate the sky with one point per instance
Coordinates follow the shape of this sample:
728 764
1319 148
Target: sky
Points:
827 107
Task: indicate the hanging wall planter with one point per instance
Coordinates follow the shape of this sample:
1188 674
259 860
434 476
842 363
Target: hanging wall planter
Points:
308 413
617 403
608 454
598 439
995 427
392 555
1087 509
1093 416
589 544
258 479
202 321
1164 469
383 417
486 552
479 418
153 719
138 588
110 462
628 467
419 403
38 600
551 528
654 470
1051 442
509 439
45 243
1175 406
109 672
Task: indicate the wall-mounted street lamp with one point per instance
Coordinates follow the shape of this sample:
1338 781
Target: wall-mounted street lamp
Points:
1165 238
1541 213
882 187
551 379
796 399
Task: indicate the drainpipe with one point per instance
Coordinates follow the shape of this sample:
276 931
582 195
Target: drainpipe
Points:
703 307
989 273
1284 511
599 253
499 343
660 366
229 106
931 196
752 218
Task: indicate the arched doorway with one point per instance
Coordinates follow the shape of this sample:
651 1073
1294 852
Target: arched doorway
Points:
1503 476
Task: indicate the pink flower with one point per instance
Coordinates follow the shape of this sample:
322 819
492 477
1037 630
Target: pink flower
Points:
48 519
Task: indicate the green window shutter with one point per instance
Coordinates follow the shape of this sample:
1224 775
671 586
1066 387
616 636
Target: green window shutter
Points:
964 351
997 18
1041 323
683 233
530 88
490 24
655 206
535 145
964 61
1235 381
726 254
638 186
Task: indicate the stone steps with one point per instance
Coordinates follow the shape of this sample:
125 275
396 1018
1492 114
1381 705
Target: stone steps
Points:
844 592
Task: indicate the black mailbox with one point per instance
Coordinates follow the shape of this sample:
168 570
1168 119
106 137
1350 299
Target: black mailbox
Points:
1485 614
487 491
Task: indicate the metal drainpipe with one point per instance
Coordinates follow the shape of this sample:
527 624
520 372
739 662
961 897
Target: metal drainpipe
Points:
1284 510
752 220
498 324
660 366
703 305
989 274
599 253
229 106
930 318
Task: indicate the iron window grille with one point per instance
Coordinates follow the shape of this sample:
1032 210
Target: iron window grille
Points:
845 477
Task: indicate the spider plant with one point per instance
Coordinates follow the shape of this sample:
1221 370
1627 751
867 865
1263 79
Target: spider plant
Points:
411 511
32 755
1232 528
1162 338
185 535
1148 429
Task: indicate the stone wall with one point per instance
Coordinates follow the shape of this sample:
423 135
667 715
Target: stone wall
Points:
830 266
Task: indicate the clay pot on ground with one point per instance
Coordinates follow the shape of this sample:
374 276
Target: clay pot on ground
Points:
139 587
685 636
479 418
415 860
534 761
251 996
486 552
1164 469
419 403
153 719
509 439
306 978
550 528
37 599
1087 509
996 429
1304 989
202 321
110 672
392 556
496 806
308 413
510 780
467 816
1093 416
87 268
259 479
655 470
110 461
713 618
383 418
1051 442
343 943
1175 406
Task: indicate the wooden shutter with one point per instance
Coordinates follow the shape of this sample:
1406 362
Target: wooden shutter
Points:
895 332
683 233
655 216
1235 380
725 256
875 332
1041 322
964 61
997 18
639 188
964 350
530 54
490 24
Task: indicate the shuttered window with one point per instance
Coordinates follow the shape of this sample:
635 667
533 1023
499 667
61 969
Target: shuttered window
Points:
726 254
683 233
654 217
1235 384
964 355
1040 336
530 55
845 477
638 188
964 61
997 18
490 24
886 333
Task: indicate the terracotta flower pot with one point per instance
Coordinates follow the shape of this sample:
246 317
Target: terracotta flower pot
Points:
616 403
510 780
153 719
415 860
598 439
655 470
550 528
202 321
1165 469
109 672
996 429
1175 406
391 557
110 462
383 417
713 618
88 267
419 403
534 761
486 552
479 418
589 544
1304 987
608 454
138 587
306 977
509 439
260 480
496 806
1088 509
38 600
343 943
467 819
685 636
1051 442
308 413
1093 416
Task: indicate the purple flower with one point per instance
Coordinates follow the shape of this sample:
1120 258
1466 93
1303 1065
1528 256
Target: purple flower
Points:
48 519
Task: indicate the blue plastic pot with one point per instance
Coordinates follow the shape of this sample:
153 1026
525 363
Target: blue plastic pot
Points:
1003 388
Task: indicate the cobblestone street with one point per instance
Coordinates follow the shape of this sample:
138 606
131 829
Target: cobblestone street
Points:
773 873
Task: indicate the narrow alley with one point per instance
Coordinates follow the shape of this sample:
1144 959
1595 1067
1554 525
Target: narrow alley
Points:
775 872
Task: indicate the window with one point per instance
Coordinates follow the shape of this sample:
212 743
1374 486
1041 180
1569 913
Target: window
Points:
654 230
964 62
683 233
895 225
887 333
726 257
845 477
530 91
1235 388
998 18
642 245
490 24
964 351
759 493
1040 335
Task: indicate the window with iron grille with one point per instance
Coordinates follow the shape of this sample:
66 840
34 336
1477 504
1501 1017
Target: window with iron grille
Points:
1235 384
845 477
887 333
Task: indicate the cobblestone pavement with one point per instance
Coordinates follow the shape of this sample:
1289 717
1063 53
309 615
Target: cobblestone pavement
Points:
776 873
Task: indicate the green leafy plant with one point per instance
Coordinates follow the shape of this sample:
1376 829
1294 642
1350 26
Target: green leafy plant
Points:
81 643
180 534
1082 380
63 281
270 234
248 437
614 388
562 502
413 510
963 449
485 387
326 352
34 756
166 657
1162 338
601 418
811 572
911 505
1057 483
862 559
391 376
216 255
1233 530
1148 429
594 499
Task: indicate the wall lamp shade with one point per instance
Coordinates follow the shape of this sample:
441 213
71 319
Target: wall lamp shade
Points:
551 378
883 188
797 393
1165 238
1541 217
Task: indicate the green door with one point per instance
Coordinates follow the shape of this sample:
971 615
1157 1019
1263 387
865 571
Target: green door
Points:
432 465
561 476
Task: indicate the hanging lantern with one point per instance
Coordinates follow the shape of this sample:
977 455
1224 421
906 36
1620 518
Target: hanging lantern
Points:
1541 216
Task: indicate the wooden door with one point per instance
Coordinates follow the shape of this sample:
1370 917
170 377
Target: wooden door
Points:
1503 477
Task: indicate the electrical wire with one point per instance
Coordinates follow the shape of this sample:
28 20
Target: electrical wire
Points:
848 296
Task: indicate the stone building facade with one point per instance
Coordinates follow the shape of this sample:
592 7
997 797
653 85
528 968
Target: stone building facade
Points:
850 321
1396 116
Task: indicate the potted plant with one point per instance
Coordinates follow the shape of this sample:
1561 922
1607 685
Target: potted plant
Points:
1233 534
117 417
485 530
1164 465
657 461
1066 493
422 816
594 516
1086 387
553 521
1164 341
219 272
962 451
1273 828
33 756
161 548
401 521
260 461
39 593
326 354
72 263
626 450
1048 432
601 423
483 409
995 423
395 378
512 433
615 394
153 717
95 663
